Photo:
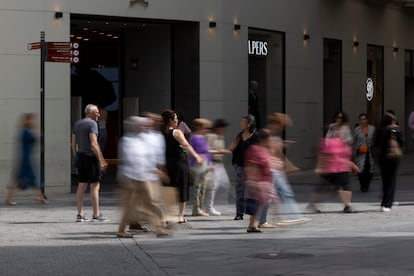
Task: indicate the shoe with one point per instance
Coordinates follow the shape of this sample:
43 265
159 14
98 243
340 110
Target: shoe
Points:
293 221
385 209
214 212
80 218
238 218
124 235
183 221
349 210
253 230
11 203
312 208
266 225
199 213
99 218
163 234
137 227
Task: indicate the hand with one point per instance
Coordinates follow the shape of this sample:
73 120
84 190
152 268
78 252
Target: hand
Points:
103 165
199 159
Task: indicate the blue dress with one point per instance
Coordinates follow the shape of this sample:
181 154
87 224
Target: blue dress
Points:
26 177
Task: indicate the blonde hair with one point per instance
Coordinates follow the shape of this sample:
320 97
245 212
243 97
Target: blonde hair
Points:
200 123
280 118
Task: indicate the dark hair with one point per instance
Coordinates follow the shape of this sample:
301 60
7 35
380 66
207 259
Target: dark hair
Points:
167 115
180 116
220 123
344 116
387 119
362 114
251 120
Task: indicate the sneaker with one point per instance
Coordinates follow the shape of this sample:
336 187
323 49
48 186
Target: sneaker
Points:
293 221
199 213
214 212
349 210
385 209
238 218
312 208
80 218
99 218
266 225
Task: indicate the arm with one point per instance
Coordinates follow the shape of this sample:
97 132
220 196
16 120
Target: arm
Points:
179 136
234 143
96 149
74 145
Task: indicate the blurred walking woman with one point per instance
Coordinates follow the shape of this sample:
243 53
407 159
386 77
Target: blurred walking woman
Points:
243 140
176 159
25 172
388 143
362 148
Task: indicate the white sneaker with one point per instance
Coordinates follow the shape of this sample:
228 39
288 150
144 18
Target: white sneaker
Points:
293 221
214 212
385 209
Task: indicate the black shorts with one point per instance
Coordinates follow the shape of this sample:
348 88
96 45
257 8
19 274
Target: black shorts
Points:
88 169
334 182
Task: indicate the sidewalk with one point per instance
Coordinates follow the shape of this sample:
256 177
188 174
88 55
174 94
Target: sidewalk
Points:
46 240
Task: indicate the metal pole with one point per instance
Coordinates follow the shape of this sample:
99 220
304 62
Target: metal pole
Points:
43 51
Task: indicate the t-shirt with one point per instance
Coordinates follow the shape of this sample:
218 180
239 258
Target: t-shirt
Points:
200 145
82 129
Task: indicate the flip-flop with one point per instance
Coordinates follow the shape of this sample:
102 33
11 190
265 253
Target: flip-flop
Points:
183 221
124 235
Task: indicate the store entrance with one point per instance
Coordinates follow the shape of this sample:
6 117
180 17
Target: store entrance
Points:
130 66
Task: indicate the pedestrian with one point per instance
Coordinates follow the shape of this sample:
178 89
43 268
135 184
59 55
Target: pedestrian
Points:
24 176
91 162
334 164
177 148
139 177
102 128
259 187
388 143
362 151
288 209
238 147
182 125
202 174
218 149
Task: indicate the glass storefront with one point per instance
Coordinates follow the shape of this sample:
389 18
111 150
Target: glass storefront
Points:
375 73
266 73
332 79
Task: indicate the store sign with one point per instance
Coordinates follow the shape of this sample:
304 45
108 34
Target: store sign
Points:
257 48
370 89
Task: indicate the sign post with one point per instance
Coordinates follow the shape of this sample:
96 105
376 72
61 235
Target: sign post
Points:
52 52
43 51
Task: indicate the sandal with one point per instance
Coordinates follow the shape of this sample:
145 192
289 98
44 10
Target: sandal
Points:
253 230
124 235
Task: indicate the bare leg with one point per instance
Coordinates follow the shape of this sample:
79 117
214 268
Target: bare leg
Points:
345 197
79 196
181 207
94 195
252 221
11 194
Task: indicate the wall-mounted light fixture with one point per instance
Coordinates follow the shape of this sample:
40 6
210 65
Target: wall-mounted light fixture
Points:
356 43
58 15
237 27
306 37
395 49
212 24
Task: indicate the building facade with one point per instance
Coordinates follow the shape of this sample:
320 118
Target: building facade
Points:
308 58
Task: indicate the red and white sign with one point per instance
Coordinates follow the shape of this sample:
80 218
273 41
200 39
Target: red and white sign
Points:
33 46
